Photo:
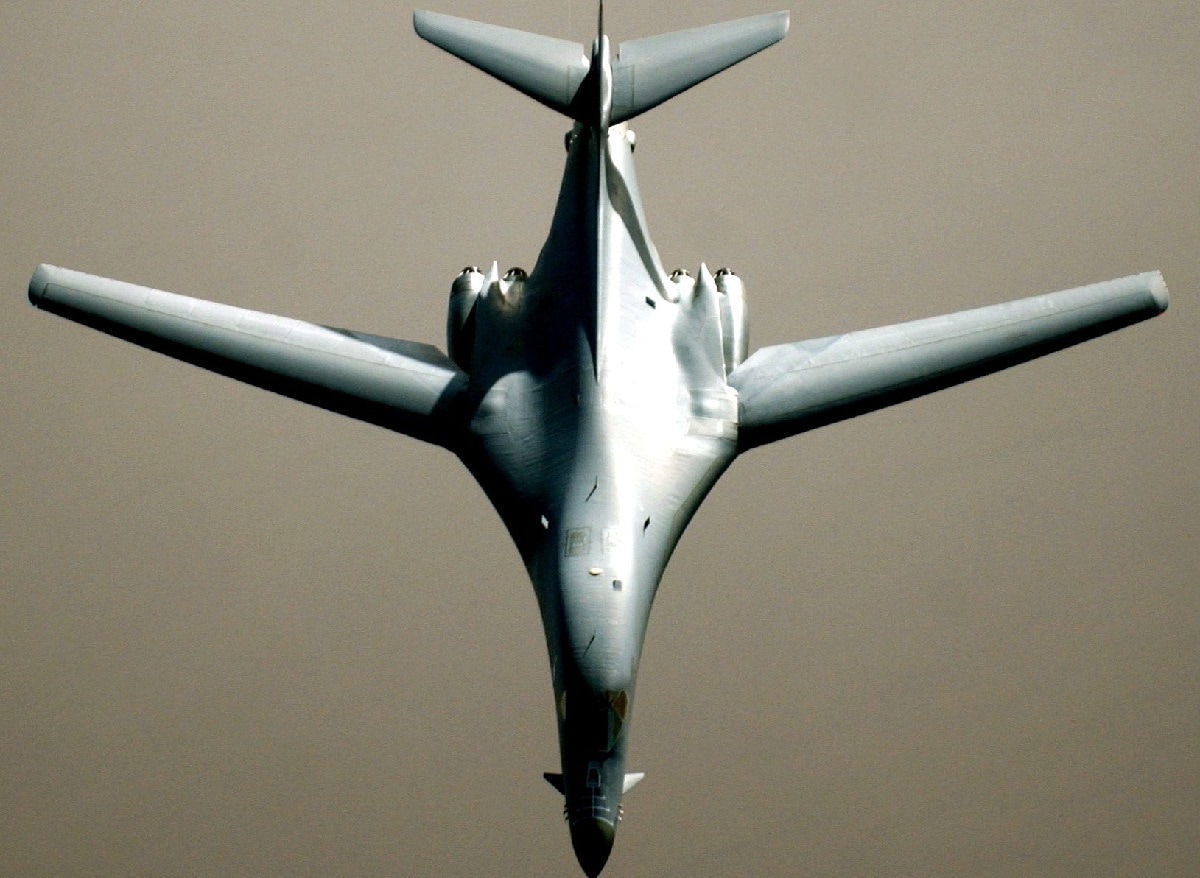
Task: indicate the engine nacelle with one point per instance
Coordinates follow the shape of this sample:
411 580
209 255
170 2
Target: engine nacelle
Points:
512 286
735 322
460 316
682 285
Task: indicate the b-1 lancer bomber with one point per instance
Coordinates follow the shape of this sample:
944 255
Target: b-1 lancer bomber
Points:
598 397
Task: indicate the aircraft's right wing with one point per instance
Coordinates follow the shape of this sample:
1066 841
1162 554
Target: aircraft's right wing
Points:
404 386
791 388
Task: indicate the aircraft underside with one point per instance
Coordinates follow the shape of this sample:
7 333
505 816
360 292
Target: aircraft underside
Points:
597 398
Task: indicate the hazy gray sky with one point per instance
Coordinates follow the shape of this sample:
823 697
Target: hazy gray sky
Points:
244 637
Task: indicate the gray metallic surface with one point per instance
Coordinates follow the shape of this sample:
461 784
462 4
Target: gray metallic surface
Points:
787 389
645 72
549 70
596 399
405 386
655 69
600 419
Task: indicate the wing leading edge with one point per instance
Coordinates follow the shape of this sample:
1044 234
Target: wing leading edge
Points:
404 386
791 388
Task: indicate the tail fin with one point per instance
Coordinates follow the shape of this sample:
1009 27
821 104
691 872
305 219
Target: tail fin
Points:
646 72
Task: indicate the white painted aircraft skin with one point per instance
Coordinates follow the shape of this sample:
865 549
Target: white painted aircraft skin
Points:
597 398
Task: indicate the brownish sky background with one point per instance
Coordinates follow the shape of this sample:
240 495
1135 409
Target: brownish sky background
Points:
243 637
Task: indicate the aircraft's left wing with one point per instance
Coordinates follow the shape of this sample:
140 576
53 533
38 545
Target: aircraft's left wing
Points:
404 386
791 388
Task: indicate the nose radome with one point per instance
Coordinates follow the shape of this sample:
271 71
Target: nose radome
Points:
592 839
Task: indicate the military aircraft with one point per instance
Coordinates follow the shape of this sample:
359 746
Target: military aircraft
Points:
597 398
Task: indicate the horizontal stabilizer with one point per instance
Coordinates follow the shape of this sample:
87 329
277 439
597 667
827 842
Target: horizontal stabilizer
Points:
546 69
651 70
790 388
645 72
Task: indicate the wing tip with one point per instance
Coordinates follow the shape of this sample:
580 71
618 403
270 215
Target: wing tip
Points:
1158 289
422 19
38 284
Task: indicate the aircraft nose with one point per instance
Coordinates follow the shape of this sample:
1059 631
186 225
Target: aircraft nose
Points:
593 840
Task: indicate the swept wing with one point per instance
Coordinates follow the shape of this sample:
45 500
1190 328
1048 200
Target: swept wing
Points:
404 386
788 389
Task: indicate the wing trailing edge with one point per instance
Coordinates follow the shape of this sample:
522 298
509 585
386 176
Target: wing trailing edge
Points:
792 388
404 386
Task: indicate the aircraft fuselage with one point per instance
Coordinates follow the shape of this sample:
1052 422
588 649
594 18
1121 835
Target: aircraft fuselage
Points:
600 417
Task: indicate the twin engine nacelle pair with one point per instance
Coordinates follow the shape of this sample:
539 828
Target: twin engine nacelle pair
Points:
471 282
464 296
731 306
